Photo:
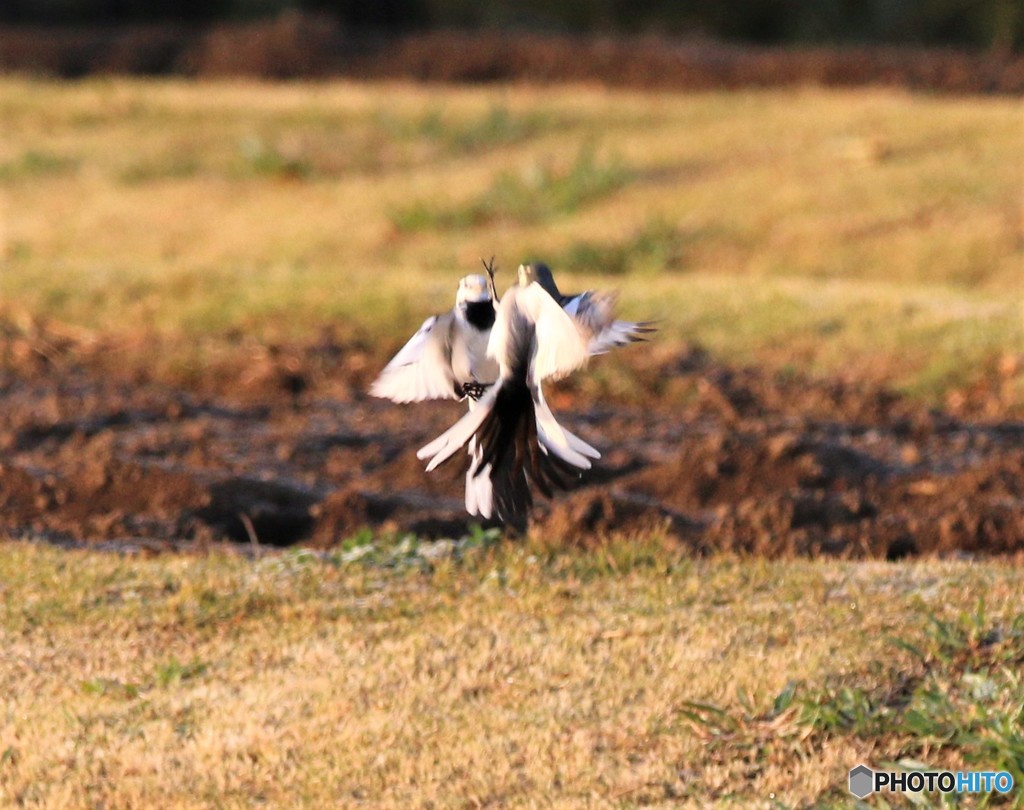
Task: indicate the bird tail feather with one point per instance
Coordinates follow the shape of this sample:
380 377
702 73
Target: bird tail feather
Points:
445 445
520 443
479 493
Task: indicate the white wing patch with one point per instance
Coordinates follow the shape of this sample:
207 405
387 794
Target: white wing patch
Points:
558 346
422 368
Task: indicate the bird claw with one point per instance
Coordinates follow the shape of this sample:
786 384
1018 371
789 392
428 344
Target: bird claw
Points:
474 390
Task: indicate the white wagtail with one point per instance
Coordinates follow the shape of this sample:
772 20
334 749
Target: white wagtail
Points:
447 357
514 438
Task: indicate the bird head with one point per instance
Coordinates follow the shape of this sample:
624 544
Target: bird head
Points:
473 289
539 272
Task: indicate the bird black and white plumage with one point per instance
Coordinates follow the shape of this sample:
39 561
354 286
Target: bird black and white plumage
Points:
593 312
447 357
515 440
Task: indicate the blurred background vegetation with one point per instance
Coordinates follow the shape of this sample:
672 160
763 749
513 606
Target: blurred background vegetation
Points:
985 24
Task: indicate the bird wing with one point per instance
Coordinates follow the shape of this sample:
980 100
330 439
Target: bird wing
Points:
620 333
531 320
567 446
594 314
422 369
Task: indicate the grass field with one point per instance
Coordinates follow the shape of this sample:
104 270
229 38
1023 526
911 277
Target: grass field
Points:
495 675
869 234
872 231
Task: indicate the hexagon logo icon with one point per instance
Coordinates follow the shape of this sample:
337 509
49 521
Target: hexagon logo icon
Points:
862 781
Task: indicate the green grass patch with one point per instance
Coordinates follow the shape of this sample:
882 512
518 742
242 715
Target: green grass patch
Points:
34 163
950 696
962 695
176 167
174 672
657 246
111 688
264 158
538 193
498 126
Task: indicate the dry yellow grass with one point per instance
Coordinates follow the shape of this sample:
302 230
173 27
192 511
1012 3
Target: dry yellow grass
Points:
514 678
869 228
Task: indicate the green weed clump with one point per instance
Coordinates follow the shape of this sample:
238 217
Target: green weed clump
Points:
958 701
963 694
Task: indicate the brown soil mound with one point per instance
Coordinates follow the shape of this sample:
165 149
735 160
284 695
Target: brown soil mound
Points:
749 461
295 45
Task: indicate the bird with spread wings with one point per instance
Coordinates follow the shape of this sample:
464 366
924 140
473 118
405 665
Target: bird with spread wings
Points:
514 440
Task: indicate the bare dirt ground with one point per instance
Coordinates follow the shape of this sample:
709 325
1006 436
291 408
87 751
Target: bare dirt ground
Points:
284 447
